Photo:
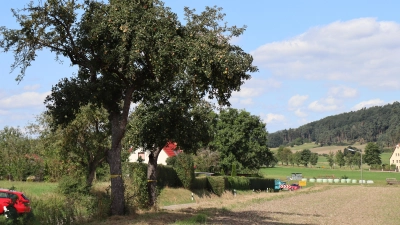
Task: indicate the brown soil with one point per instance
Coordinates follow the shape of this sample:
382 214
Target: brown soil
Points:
322 204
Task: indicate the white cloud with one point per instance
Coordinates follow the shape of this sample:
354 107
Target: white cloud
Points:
247 101
256 87
343 92
31 87
296 101
324 105
272 118
299 113
363 51
367 104
26 99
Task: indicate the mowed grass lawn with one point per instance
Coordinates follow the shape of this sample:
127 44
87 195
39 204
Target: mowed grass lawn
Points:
282 172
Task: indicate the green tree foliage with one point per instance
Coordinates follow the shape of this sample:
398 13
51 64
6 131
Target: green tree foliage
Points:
127 51
331 159
233 171
18 156
339 158
372 154
349 161
86 140
184 168
240 138
291 159
375 124
357 159
153 126
298 141
297 158
283 154
305 156
48 143
206 160
314 159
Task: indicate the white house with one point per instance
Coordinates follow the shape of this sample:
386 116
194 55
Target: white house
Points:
395 158
168 151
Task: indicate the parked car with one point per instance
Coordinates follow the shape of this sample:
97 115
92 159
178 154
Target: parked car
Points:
294 187
18 199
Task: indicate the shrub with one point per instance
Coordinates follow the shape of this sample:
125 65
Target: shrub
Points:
233 173
184 167
199 183
261 183
216 185
167 177
73 184
136 194
239 183
54 210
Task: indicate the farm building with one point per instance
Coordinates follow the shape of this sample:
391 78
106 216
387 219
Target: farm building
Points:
168 151
395 158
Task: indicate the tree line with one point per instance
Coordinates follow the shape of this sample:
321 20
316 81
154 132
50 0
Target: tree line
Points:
215 142
350 157
379 124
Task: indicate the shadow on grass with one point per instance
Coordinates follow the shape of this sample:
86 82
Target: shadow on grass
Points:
202 193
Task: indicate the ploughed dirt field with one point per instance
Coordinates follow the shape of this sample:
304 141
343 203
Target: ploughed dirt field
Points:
356 204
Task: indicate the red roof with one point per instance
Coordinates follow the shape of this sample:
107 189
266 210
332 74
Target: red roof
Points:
170 149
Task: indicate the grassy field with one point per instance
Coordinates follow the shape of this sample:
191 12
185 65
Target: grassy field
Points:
282 172
320 150
30 188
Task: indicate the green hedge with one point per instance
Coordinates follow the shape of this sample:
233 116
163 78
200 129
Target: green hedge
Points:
167 177
216 185
200 183
238 183
261 183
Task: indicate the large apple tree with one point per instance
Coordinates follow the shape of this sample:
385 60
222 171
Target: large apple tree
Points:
127 51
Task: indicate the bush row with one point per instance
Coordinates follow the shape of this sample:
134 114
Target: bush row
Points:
168 176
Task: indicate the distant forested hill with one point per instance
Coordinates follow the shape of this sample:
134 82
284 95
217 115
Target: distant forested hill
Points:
376 124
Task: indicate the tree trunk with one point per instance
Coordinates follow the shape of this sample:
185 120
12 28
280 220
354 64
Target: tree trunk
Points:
114 160
91 175
117 184
152 177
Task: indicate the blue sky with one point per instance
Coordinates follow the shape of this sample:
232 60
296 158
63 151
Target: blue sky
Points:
315 59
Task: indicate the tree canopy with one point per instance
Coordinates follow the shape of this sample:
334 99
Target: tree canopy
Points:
241 138
372 154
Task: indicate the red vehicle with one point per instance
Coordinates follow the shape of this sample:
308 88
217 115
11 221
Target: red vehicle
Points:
21 203
294 187
290 187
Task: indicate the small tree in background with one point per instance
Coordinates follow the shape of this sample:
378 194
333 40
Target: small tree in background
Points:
297 158
233 173
305 156
330 159
339 157
314 159
372 154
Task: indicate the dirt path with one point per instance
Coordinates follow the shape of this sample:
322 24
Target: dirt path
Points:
339 205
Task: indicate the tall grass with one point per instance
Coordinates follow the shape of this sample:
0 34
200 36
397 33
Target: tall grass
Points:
51 208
